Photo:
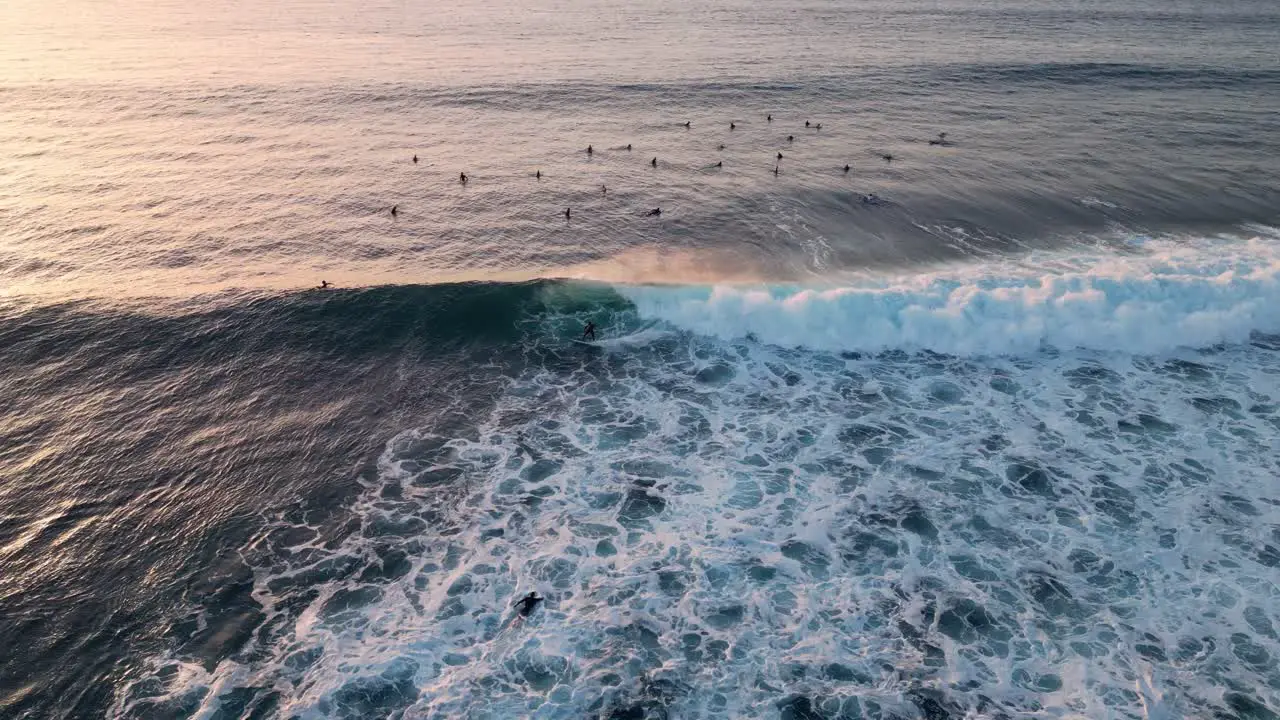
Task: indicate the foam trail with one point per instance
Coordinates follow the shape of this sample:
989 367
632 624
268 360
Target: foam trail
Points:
1154 706
1170 296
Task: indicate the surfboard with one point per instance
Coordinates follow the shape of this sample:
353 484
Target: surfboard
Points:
600 342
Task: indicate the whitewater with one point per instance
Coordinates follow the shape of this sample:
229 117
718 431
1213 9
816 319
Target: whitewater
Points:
1159 295
1041 487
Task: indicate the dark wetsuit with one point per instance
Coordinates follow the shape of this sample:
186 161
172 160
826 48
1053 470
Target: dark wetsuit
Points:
528 603
589 331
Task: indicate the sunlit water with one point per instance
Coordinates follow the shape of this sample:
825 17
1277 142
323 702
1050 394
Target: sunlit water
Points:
982 430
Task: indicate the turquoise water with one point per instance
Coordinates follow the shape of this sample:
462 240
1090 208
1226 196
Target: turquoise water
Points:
985 430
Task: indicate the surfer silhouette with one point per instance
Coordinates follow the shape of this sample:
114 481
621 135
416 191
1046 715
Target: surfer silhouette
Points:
528 603
588 332
324 284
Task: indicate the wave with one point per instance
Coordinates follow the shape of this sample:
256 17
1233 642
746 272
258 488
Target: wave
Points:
1150 298
1154 302
908 80
695 513
1127 75
337 323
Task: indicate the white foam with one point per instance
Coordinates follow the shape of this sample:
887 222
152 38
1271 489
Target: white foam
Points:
1171 295
1104 521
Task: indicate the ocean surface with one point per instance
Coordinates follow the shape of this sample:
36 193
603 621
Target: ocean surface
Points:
985 425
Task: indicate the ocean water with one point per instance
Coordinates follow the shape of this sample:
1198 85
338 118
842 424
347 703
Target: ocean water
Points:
985 430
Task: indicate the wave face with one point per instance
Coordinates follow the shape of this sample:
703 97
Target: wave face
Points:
1165 297
726 527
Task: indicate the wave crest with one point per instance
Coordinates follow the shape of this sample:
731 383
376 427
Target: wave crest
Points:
1173 297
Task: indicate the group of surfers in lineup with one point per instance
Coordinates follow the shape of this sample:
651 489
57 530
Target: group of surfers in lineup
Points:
870 199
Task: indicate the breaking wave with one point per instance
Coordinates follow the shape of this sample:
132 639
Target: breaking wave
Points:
1173 296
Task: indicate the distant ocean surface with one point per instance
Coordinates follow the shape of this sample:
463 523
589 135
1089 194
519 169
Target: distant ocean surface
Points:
983 426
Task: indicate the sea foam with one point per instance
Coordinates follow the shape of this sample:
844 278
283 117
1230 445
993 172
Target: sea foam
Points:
742 530
1164 297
